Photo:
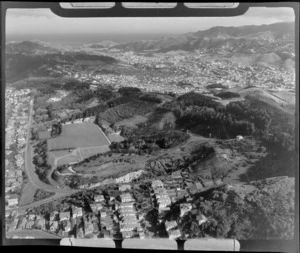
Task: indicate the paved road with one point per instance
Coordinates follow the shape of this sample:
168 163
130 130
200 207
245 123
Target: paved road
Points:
29 167
40 202
39 234
32 176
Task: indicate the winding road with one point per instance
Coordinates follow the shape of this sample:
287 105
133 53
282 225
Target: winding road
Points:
32 176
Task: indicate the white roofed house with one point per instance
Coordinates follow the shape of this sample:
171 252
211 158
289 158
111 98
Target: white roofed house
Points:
201 218
12 200
126 205
99 198
126 197
96 207
64 216
103 214
124 187
184 208
163 202
128 227
127 234
239 137
173 234
76 212
170 224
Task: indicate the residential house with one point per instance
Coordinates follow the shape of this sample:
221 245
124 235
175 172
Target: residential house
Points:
13 200
29 224
103 214
199 186
126 205
96 228
88 228
164 202
68 226
96 207
64 216
162 195
163 209
23 223
53 216
77 212
99 198
170 224
126 197
40 223
239 137
201 219
141 234
124 187
173 234
127 234
184 208
129 220
80 233
32 216
157 184
54 226
128 227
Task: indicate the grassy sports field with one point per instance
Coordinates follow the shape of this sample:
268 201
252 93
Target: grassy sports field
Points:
76 142
78 135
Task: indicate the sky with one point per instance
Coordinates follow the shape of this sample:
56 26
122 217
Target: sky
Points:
36 23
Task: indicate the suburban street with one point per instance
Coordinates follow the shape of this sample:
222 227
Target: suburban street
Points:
32 176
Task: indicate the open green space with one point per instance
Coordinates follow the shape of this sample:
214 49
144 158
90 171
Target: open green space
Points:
78 135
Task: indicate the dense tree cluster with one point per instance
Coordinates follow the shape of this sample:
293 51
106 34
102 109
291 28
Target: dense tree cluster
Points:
41 194
148 143
216 85
192 98
119 101
56 129
227 95
244 110
130 91
208 122
151 97
101 93
40 161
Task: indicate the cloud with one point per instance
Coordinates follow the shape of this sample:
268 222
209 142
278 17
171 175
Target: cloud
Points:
30 13
41 21
279 13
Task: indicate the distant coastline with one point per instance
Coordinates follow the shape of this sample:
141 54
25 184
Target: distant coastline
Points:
79 39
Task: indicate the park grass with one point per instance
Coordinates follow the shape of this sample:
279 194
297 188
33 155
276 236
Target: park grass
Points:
133 121
68 159
27 196
90 151
78 135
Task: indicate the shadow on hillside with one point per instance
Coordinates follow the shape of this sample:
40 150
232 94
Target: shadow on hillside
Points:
271 165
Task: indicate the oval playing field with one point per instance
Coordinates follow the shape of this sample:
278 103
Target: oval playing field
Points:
77 142
78 135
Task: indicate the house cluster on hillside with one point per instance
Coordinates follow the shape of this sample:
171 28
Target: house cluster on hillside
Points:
17 105
117 213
